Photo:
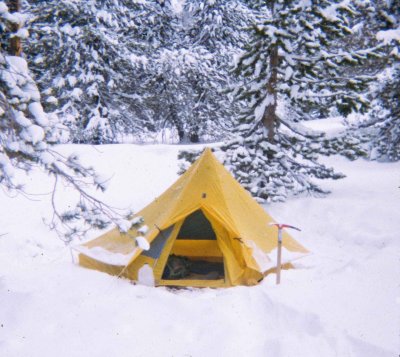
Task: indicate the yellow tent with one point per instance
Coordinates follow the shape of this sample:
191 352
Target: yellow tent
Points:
206 217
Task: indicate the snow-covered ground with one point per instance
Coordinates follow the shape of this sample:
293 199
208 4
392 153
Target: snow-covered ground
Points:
343 300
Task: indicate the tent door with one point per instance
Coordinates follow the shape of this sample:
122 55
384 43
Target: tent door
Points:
195 254
194 260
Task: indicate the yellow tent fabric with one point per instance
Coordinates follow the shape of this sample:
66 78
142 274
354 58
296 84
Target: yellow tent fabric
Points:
242 238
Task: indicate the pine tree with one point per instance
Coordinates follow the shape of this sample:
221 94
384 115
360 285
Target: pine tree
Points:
177 72
383 127
188 67
85 69
178 86
214 28
219 25
291 67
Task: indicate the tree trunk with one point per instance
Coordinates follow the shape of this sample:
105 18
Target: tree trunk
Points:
270 118
174 119
194 137
15 42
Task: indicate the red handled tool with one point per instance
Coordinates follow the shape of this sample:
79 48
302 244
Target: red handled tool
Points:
281 226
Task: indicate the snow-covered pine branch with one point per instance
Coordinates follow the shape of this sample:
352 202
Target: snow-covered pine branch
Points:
27 135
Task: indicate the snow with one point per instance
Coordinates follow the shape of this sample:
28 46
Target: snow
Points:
33 134
69 30
18 64
177 6
72 80
36 110
47 158
342 300
262 259
305 3
331 126
124 225
21 33
59 82
146 276
143 230
140 60
142 243
105 16
21 119
76 93
294 91
388 36
20 80
287 257
260 109
3 7
52 100
105 255
15 17
331 12
6 168
136 220
288 73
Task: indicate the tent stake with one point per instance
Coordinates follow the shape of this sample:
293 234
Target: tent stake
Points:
280 226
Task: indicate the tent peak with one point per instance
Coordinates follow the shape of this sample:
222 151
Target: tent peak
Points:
207 152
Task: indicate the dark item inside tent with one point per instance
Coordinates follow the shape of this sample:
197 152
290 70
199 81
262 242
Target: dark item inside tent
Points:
179 267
